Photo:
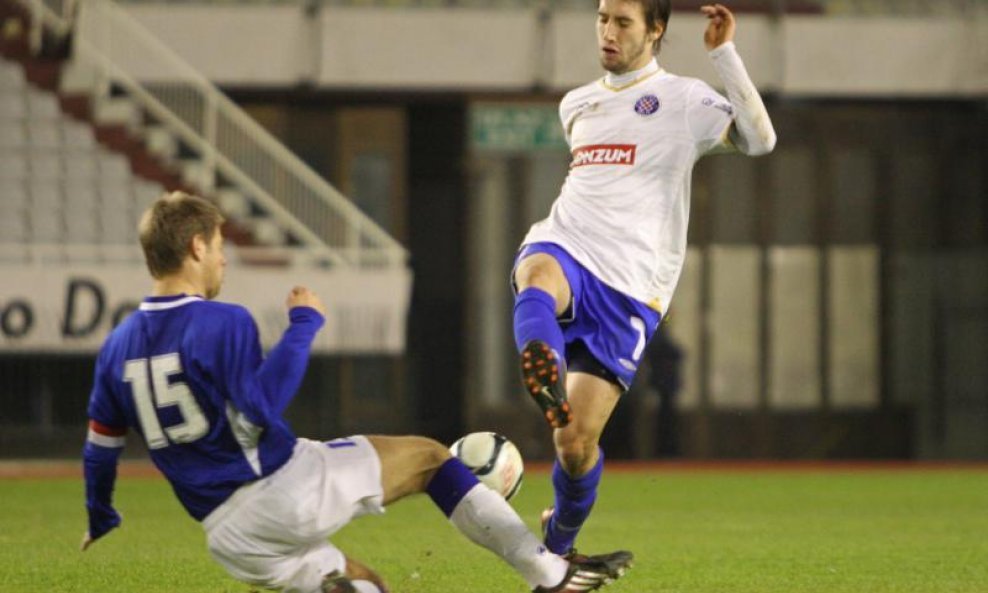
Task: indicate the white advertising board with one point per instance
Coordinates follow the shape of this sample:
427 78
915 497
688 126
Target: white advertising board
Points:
73 308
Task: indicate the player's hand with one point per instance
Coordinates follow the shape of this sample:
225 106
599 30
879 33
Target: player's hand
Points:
86 542
102 520
301 296
720 25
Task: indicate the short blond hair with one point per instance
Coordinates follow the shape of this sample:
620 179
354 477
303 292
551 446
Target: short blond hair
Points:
168 226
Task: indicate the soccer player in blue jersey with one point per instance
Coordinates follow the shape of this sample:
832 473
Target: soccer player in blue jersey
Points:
187 374
594 278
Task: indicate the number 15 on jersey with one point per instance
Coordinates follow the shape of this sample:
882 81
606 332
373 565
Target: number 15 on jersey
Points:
153 391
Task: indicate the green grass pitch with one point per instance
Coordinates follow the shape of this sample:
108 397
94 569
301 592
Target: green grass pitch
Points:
706 531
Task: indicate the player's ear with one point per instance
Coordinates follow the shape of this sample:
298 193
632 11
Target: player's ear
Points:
198 247
658 28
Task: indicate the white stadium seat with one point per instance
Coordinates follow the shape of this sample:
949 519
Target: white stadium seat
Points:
11 76
115 196
12 105
145 192
80 164
42 105
13 194
13 164
45 163
118 227
77 135
12 134
44 133
81 227
12 206
80 198
113 166
45 226
45 194
13 227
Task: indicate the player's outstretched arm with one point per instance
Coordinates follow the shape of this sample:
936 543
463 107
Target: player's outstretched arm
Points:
282 371
100 457
752 132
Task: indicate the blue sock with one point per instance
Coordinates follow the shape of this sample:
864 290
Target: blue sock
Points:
574 499
450 484
535 319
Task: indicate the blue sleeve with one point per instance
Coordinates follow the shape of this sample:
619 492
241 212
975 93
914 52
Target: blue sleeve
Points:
100 470
107 426
103 408
239 360
282 372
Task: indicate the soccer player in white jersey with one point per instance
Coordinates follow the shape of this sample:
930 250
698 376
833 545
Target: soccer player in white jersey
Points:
187 374
594 278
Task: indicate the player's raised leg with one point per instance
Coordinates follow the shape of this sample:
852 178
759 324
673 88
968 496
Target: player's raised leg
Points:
543 293
417 464
579 460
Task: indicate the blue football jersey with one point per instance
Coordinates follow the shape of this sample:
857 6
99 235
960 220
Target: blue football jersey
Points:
186 373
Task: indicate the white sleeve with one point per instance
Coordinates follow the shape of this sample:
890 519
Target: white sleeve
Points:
567 116
708 116
752 132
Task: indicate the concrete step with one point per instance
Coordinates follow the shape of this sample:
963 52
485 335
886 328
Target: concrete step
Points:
160 142
194 173
233 203
77 77
108 111
266 231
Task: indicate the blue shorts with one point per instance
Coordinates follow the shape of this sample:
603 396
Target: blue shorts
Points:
612 326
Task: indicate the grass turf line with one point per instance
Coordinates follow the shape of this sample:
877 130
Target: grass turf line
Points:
711 532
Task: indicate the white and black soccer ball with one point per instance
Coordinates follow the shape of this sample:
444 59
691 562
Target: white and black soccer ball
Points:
493 459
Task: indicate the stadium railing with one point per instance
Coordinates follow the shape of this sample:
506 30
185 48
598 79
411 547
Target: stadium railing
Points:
232 148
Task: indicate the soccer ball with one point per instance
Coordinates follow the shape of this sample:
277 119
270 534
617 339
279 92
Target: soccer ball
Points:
493 459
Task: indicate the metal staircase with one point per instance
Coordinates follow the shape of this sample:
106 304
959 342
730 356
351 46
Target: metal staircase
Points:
226 154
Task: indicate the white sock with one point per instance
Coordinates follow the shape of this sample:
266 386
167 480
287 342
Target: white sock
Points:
365 587
488 520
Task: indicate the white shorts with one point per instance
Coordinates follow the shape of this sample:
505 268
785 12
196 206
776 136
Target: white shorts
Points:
273 532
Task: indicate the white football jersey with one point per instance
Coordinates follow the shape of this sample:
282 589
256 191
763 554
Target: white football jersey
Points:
624 207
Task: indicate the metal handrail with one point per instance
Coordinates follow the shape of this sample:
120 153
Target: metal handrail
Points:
229 141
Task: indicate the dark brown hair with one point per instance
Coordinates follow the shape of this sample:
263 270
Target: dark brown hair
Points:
657 11
168 226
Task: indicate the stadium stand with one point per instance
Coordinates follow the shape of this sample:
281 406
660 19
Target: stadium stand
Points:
86 147
59 184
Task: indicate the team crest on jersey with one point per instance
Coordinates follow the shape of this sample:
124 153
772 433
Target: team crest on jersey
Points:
603 154
647 105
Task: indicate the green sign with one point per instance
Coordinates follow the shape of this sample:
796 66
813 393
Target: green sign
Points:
515 127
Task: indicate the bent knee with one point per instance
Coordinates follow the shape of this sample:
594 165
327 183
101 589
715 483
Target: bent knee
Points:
435 452
540 270
576 454
424 453
408 463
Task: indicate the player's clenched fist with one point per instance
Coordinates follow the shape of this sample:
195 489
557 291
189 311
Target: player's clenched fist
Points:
720 28
301 296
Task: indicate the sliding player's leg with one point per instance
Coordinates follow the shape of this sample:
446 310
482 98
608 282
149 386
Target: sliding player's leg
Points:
356 578
273 532
417 464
